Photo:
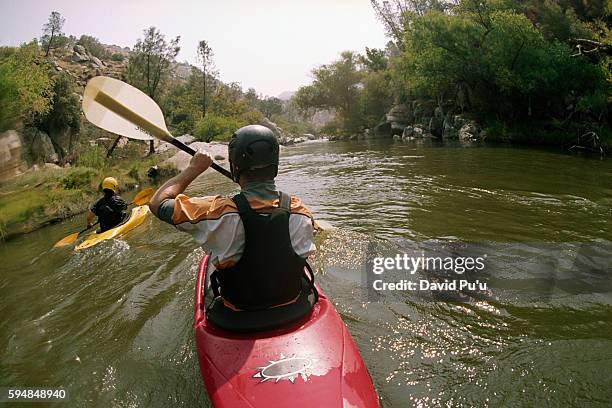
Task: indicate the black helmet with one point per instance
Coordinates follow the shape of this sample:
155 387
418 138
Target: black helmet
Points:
252 147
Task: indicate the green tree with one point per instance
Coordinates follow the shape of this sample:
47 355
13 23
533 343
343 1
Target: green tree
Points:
205 58
252 98
336 86
376 97
26 90
216 127
181 105
228 106
52 30
271 106
228 100
150 64
498 60
65 112
94 46
374 59
391 14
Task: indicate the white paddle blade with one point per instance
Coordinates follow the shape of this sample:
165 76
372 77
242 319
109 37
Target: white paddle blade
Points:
131 112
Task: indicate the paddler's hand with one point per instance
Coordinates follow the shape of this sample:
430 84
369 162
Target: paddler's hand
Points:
200 161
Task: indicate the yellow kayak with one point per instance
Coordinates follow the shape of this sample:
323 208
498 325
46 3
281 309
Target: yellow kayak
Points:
137 216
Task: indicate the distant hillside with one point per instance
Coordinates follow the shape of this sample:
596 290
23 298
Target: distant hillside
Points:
79 62
286 95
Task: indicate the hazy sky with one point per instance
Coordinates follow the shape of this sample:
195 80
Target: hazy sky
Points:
269 45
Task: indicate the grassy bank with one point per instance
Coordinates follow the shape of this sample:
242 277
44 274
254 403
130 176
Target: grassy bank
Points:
47 195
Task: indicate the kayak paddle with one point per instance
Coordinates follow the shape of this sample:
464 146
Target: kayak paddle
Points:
125 110
69 240
141 198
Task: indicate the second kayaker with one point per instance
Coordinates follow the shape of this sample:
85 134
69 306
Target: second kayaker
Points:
110 209
258 240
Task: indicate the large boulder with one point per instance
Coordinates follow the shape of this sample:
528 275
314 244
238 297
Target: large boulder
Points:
80 54
186 138
399 117
394 122
180 160
422 110
63 140
96 63
407 133
299 139
78 57
418 132
80 49
51 166
459 121
382 129
399 113
448 128
469 132
272 126
459 127
11 161
41 146
436 123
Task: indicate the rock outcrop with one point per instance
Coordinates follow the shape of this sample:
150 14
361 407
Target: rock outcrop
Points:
163 146
468 132
395 121
415 132
77 61
278 132
11 160
41 147
284 138
180 159
421 118
459 127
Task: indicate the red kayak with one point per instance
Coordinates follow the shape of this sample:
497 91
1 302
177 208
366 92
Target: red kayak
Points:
312 362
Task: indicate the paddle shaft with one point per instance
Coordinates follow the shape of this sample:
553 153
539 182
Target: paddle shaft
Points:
88 228
152 129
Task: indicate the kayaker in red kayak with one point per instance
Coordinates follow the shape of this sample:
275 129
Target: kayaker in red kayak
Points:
110 209
258 240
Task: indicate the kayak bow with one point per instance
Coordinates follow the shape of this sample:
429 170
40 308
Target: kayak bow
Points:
312 362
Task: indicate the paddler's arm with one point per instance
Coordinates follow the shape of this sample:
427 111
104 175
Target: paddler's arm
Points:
176 185
90 218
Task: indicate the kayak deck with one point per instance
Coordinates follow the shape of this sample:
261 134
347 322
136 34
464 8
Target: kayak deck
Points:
312 362
137 216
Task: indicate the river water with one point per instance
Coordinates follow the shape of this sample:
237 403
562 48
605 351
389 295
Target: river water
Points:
113 324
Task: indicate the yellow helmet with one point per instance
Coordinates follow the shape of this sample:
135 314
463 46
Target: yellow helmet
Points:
110 183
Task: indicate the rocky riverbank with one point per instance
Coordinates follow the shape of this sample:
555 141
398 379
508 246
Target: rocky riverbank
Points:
422 119
285 138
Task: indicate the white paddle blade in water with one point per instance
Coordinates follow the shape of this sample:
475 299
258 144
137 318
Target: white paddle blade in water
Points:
122 109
